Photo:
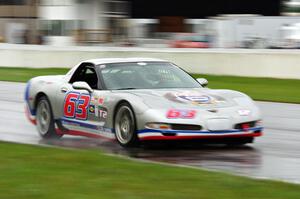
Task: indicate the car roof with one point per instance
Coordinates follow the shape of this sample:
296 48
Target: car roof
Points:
122 60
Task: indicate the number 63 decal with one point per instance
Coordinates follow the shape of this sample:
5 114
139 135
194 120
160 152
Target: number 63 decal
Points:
76 105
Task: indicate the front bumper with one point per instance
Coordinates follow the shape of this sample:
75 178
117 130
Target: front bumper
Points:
155 134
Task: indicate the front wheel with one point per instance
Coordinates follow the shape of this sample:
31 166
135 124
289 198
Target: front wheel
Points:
44 119
125 127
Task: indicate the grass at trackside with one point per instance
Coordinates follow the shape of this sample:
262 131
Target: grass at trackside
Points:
39 172
24 74
267 89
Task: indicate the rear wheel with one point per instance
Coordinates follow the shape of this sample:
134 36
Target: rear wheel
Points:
125 127
44 119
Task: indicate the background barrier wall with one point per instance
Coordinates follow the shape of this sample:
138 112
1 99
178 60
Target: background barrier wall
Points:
239 62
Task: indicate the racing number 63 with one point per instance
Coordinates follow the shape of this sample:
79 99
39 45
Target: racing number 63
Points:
76 105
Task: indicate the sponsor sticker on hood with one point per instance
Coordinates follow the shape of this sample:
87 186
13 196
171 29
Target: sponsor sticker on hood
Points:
190 97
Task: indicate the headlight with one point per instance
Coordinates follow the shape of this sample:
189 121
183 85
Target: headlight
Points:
160 126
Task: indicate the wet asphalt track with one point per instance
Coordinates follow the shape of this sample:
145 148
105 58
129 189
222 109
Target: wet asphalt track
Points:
276 155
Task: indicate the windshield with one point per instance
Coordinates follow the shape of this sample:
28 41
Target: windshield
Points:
145 75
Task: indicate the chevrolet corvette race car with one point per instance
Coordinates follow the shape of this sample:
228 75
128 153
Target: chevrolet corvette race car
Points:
138 99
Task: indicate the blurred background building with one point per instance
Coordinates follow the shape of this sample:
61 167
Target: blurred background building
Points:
152 23
18 21
65 22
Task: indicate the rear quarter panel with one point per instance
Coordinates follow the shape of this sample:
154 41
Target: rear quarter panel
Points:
42 85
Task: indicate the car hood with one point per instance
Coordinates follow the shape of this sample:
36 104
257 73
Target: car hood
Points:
202 98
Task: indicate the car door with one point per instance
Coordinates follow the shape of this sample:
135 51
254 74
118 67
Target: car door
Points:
75 106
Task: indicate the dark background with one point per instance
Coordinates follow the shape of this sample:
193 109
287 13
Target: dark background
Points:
202 8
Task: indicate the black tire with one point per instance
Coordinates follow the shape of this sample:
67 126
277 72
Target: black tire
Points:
125 125
44 119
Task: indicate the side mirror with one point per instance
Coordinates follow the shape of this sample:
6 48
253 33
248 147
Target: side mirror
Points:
203 82
82 86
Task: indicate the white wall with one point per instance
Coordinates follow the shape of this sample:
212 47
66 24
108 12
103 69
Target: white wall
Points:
59 40
240 62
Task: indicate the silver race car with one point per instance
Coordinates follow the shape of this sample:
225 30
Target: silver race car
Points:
137 99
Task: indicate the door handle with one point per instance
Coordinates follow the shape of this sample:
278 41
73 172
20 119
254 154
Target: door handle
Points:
63 90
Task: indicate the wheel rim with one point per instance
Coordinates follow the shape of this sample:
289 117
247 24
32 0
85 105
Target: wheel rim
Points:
124 125
43 117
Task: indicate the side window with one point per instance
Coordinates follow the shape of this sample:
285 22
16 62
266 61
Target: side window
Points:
91 78
86 73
